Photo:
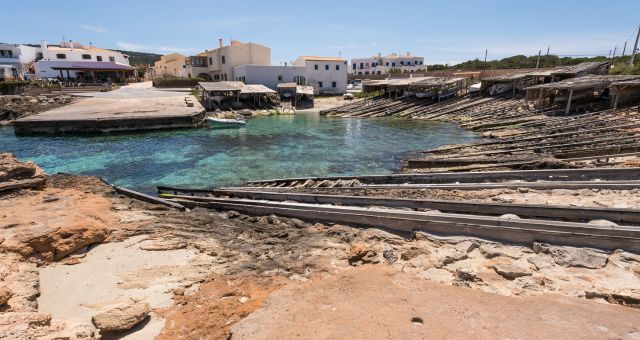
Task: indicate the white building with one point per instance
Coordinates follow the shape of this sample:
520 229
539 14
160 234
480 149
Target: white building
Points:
218 64
16 60
327 75
73 60
381 65
270 76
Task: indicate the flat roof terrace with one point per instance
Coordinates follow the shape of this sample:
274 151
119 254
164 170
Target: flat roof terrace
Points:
136 107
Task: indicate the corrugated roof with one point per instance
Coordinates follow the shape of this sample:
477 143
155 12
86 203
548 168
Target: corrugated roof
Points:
582 67
286 85
255 88
221 86
302 89
585 82
88 65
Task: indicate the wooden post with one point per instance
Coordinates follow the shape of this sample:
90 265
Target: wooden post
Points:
513 93
615 101
566 112
540 99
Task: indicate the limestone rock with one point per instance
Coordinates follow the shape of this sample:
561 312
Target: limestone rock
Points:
361 253
467 246
603 223
510 271
466 274
510 216
573 257
455 256
540 261
164 245
412 253
120 317
5 295
491 251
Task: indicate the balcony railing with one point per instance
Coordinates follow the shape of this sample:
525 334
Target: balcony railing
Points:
13 57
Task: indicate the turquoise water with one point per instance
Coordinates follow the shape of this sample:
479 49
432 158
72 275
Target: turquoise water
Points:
268 147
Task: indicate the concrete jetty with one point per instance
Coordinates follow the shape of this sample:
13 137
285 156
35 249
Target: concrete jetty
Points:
135 107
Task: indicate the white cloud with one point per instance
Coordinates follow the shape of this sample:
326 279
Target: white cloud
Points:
96 29
154 49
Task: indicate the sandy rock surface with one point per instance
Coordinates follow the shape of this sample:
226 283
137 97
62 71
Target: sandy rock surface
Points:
120 317
375 302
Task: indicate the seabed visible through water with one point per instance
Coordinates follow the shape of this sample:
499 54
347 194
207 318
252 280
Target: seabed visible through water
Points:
305 144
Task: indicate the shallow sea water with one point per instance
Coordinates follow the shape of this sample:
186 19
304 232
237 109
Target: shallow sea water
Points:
306 144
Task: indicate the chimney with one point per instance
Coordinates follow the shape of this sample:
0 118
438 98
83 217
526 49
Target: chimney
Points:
44 48
220 42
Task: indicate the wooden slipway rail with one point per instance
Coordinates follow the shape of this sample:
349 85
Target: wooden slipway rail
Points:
565 213
570 185
523 231
476 177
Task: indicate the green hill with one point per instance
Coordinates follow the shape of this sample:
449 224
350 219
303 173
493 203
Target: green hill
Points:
141 58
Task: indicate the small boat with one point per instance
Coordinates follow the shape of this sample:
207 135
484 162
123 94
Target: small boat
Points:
225 122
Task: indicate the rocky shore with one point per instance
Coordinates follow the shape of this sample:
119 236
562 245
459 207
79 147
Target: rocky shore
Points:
13 107
81 262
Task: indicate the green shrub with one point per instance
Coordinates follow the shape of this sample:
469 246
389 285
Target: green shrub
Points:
11 87
176 82
625 69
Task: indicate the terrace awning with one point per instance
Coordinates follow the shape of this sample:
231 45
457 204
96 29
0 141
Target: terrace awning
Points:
91 66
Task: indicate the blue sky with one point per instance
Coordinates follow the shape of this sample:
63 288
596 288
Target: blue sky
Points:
441 31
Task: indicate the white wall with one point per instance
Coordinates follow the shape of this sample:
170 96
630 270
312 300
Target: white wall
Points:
43 67
268 75
325 75
406 63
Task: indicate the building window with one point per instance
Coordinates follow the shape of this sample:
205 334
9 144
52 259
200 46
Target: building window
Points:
223 60
99 58
326 67
112 59
216 77
354 66
320 84
210 61
402 63
360 73
315 66
393 64
6 54
333 84
387 64
280 78
61 56
337 67
361 66
366 73
86 56
39 56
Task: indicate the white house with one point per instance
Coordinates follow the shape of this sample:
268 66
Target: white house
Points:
16 60
327 75
73 60
270 76
381 65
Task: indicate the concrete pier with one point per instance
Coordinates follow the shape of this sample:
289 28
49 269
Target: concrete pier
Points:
136 107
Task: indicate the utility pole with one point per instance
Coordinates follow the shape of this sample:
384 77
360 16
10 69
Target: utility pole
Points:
485 62
609 54
614 52
546 59
624 49
538 62
635 48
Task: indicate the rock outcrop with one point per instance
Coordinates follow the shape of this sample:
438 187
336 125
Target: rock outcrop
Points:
16 175
120 317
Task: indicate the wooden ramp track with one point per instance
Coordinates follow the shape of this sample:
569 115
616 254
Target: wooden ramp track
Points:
523 231
564 213
604 174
